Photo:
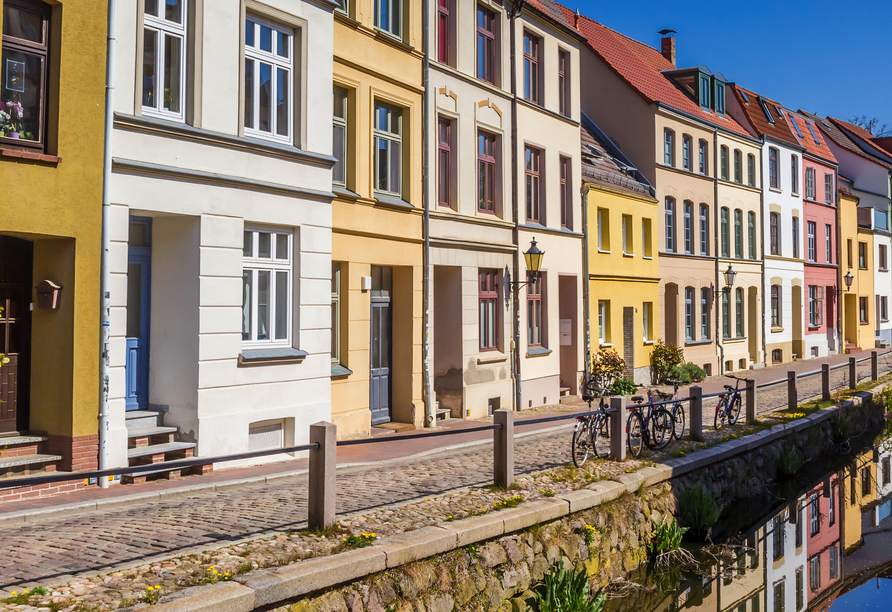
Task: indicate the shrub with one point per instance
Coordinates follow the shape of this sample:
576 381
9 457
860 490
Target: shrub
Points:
844 427
699 510
663 358
688 373
568 591
790 461
607 367
624 386
666 537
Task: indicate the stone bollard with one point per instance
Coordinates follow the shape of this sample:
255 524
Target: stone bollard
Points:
874 366
503 447
323 463
750 401
792 395
825 381
853 373
696 410
618 428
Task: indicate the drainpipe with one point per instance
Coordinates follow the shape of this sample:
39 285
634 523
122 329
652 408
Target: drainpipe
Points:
718 252
516 10
104 268
430 406
839 281
762 240
585 279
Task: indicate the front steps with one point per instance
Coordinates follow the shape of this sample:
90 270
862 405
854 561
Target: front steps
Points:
25 456
150 442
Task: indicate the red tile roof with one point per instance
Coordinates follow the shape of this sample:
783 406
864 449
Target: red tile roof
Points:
641 66
749 102
863 139
884 143
833 129
819 148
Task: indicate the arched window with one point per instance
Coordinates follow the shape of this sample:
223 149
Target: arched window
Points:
688 226
668 147
738 166
704 229
775 306
738 234
689 313
670 224
751 232
726 232
724 162
751 170
738 306
774 233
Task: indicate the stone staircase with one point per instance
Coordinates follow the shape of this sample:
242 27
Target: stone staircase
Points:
850 348
23 455
150 442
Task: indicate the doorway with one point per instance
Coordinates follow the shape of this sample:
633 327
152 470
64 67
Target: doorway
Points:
448 339
139 299
567 309
380 387
798 343
754 324
16 270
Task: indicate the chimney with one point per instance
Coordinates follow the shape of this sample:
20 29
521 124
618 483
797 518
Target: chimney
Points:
667 47
576 19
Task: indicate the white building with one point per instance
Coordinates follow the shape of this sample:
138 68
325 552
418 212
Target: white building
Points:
221 227
785 557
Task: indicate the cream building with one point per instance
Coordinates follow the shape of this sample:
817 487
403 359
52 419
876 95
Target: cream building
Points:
221 227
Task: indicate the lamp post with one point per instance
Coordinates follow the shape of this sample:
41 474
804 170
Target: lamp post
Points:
848 278
533 258
730 275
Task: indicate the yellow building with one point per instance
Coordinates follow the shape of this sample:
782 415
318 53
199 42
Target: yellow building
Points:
623 271
856 239
377 239
51 147
858 489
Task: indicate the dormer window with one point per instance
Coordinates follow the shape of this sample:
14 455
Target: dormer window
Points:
704 91
720 97
745 97
766 110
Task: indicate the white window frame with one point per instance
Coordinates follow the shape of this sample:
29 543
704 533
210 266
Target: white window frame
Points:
254 264
276 62
336 308
603 321
646 315
164 28
387 134
343 124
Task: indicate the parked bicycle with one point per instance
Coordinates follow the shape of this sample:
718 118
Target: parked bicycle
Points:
591 435
677 409
652 427
728 408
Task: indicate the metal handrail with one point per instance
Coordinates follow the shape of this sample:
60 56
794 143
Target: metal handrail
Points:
430 434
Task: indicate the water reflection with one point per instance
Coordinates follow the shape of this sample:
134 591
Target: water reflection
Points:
825 548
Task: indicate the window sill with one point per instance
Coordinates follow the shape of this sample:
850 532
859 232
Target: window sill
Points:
648 257
605 344
538 351
697 342
270 356
343 192
339 370
649 342
883 269
628 254
603 252
392 200
775 190
777 330
489 357
814 327
865 322
24 154
737 340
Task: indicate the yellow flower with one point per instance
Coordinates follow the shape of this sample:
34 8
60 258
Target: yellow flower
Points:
14 592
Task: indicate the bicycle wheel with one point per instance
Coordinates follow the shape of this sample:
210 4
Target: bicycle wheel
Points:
719 414
678 420
734 412
661 428
635 434
601 441
581 444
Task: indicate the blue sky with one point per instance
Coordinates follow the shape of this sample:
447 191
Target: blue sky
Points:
829 57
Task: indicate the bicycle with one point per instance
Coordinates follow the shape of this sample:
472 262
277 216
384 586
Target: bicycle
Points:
728 408
591 434
653 429
677 409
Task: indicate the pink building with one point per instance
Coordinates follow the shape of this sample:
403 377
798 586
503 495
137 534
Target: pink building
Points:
822 525
821 240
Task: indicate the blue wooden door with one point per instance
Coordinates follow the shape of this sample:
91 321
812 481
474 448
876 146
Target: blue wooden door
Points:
139 278
380 346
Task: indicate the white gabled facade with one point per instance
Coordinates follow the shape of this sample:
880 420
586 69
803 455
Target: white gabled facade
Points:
221 223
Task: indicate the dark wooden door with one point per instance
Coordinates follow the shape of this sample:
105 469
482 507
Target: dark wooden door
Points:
381 340
16 257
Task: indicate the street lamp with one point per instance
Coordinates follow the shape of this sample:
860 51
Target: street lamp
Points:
533 258
730 275
848 278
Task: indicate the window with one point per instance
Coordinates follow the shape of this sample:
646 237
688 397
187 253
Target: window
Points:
738 166
445 162
794 124
486 172
388 149
704 91
23 74
604 321
724 162
751 170
777 356
628 247
775 306
531 75
686 144
831 506
604 230
739 312
751 233
564 81
780 594
810 183
738 234
647 317
794 173
266 288
811 229
566 194
726 232
796 237
862 309
774 233
533 185
335 312
800 589
444 27
887 471
773 176
488 299
688 230
268 85
704 314
833 558
828 189
815 305
862 255
828 243
343 7
339 139
814 514
726 314
389 17
704 229
798 526
535 334
777 537
849 252
689 313
646 238
704 157
720 97
882 258
486 45
884 308
670 225
812 130
865 481
814 573
668 147
163 59
766 110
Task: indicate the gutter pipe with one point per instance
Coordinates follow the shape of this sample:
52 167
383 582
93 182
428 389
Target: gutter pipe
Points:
430 406
586 299
516 10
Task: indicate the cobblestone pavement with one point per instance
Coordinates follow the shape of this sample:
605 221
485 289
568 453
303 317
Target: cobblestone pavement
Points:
51 551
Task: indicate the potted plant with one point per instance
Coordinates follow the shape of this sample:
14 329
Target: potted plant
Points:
13 118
